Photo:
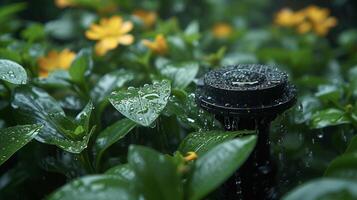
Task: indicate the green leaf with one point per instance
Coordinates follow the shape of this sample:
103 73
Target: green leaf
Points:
142 105
187 112
352 146
95 187
34 32
12 72
156 175
111 135
84 116
14 138
329 93
81 66
36 106
348 38
181 74
215 166
10 55
324 189
9 10
201 142
344 166
123 171
56 79
329 117
109 82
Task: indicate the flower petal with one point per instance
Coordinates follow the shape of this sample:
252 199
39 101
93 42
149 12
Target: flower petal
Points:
126 27
126 39
103 46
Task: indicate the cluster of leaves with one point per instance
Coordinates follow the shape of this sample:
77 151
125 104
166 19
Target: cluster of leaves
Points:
121 124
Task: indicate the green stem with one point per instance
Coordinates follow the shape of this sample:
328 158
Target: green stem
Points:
84 158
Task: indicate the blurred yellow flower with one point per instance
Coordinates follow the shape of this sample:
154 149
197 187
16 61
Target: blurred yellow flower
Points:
109 33
304 27
147 17
158 46
323 27
55 60
288 18
311 18
222 30
191 155
64 3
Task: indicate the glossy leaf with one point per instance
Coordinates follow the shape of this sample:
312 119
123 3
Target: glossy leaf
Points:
124 171
111 135
329 117
95 187
186 110
325 188
344 166
58 78
142 105
156 175
181 74
214 167
201 142
81 65
36 106
109 82
12 72
14 138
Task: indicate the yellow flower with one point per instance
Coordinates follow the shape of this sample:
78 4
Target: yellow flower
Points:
64 3
316 14
55 60
191 155
109 33
147 17
323 27
304 27
312 18
159 46
222 30
288 18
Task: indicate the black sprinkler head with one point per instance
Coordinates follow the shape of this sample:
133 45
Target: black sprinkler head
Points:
246 89
248 96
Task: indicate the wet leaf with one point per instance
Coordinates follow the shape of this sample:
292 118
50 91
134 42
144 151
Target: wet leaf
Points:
56 79
111 135
95 187
329 117
36 106
14 138
201 142
156 175
109 82
344 166
12 72
142 105
81 66
215 166
186 110
124 171
325 188
181 74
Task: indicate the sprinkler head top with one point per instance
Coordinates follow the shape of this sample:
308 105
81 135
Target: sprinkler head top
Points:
246 89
